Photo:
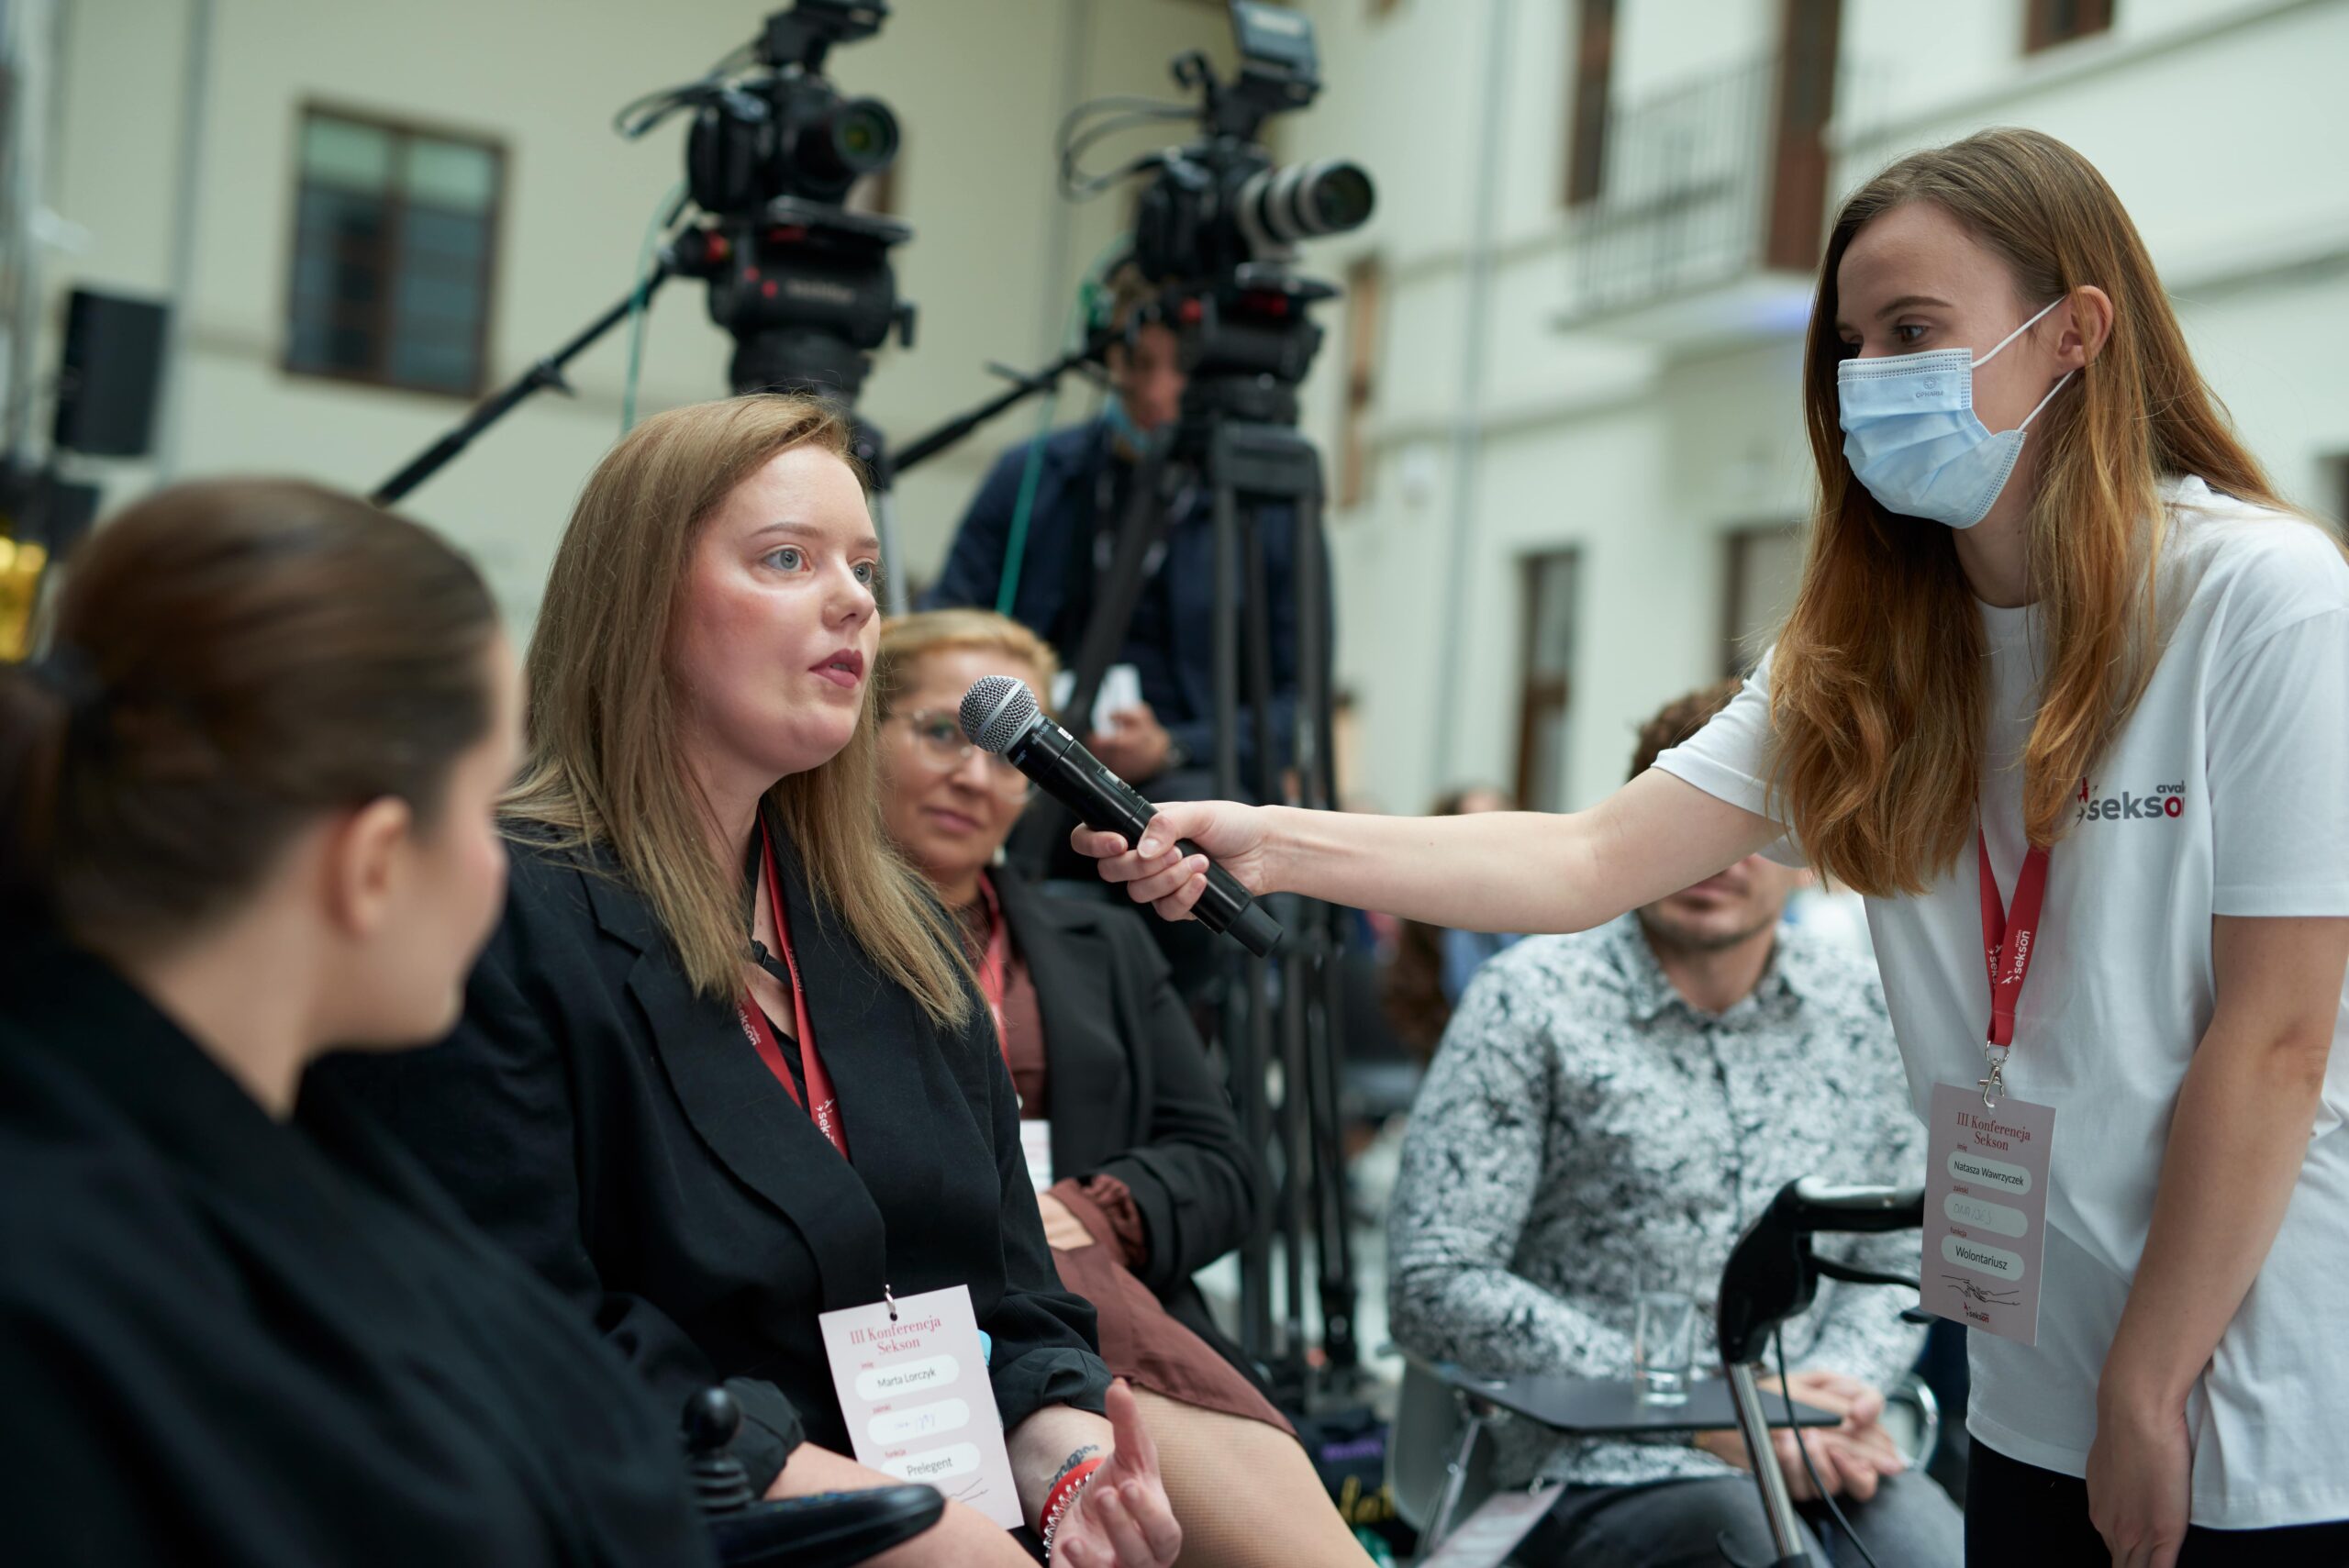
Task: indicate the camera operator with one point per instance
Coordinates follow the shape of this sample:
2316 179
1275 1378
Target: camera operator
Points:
1086 480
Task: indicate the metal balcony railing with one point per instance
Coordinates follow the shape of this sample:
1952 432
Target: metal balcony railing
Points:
1683 196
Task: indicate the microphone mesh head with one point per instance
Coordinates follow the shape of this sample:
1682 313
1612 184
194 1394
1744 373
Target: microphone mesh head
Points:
996 711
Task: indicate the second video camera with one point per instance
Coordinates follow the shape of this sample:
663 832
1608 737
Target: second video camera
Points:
1221 203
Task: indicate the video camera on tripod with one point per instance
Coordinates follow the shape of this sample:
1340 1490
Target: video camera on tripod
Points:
802 284
1218 224
1215 231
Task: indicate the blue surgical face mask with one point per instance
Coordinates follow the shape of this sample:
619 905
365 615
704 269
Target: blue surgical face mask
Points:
1912 436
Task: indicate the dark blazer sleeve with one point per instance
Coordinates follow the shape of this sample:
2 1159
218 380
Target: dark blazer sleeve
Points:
1200 1191
1045 1350
974 570
492 1112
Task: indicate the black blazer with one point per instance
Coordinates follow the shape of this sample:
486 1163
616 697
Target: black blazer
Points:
618 1131
1132 1094
228 1339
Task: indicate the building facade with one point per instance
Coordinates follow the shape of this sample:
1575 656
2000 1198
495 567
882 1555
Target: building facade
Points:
1563 402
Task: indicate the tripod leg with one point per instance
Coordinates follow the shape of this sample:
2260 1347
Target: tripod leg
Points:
1295 975
1325 1036
1244 999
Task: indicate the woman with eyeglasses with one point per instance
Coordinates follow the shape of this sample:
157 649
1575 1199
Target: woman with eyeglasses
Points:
1137 1160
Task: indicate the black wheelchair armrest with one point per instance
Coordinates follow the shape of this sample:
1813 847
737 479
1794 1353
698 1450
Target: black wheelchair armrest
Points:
830 1529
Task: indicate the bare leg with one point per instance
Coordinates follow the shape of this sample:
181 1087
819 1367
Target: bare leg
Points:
1244 1492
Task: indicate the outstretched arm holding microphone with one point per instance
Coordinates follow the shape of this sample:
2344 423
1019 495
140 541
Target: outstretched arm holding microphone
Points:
2073 705
1494 870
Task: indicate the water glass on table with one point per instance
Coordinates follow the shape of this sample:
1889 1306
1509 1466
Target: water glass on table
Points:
1663 1328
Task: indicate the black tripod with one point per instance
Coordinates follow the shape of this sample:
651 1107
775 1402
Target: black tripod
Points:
1246 348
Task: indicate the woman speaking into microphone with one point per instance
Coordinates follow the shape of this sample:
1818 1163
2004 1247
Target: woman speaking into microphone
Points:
2065 687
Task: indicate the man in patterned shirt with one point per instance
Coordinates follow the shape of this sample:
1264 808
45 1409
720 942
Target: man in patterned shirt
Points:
1643 1090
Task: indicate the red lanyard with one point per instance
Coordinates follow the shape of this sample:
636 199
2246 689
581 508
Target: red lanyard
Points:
2009 936
827 1113
995 965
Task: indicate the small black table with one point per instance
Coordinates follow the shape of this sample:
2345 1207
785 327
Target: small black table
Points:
1611 1406
1583 1407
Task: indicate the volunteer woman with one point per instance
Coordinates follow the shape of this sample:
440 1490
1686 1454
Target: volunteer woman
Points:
2054 620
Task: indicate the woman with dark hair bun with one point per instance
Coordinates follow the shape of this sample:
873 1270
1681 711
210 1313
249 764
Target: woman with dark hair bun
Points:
246 816
723 1069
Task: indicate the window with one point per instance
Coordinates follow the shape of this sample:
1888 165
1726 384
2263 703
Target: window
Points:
1365 283
2047 23
1592 66
1764 569
1547 682
1806 101
394 241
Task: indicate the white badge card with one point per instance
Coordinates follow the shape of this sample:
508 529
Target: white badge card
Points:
1986 1211
914 1388
1486 1537
1036 1148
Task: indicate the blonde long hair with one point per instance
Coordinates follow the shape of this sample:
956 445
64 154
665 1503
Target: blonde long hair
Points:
604 731
1877 687
908 639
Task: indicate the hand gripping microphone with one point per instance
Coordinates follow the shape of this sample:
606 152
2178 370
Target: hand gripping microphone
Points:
999 715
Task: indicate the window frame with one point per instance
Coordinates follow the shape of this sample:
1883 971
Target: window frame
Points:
1365 307
1540 693
1590 74
403 129
2039 30
1740 545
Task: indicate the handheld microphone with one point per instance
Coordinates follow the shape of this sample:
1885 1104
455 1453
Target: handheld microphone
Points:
1000 715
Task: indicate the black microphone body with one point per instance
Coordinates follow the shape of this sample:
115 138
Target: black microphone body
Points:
1064 770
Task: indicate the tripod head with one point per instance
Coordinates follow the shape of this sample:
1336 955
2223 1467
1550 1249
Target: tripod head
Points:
802 284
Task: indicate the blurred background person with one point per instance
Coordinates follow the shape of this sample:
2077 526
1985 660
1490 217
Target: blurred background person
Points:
246 816
1082 485
1639 1092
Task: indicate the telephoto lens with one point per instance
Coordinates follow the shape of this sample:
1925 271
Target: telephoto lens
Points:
1278 207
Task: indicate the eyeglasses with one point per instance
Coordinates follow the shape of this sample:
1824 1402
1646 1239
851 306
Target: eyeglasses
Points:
946 748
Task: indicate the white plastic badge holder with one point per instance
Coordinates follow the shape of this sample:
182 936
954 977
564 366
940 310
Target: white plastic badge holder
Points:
912 1381
1120 689
1036 1147
1985 1210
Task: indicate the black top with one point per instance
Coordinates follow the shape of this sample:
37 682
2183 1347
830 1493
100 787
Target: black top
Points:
228 1339
1132 1093
619 1132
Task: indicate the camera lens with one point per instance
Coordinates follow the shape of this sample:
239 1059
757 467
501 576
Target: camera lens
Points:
857 136
1279 206
865 135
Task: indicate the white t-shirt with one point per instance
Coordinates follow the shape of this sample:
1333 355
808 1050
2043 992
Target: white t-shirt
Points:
2227 792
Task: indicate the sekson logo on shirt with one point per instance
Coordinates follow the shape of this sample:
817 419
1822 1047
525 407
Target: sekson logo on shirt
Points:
2163 803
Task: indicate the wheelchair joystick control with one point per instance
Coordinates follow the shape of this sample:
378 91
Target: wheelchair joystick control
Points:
711 1420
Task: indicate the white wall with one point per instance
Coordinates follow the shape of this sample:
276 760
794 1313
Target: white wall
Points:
2218 122
978 88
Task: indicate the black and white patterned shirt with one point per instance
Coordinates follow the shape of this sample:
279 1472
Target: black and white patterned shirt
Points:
1581 1115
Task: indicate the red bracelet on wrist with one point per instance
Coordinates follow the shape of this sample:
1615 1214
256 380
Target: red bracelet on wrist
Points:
1060 1498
